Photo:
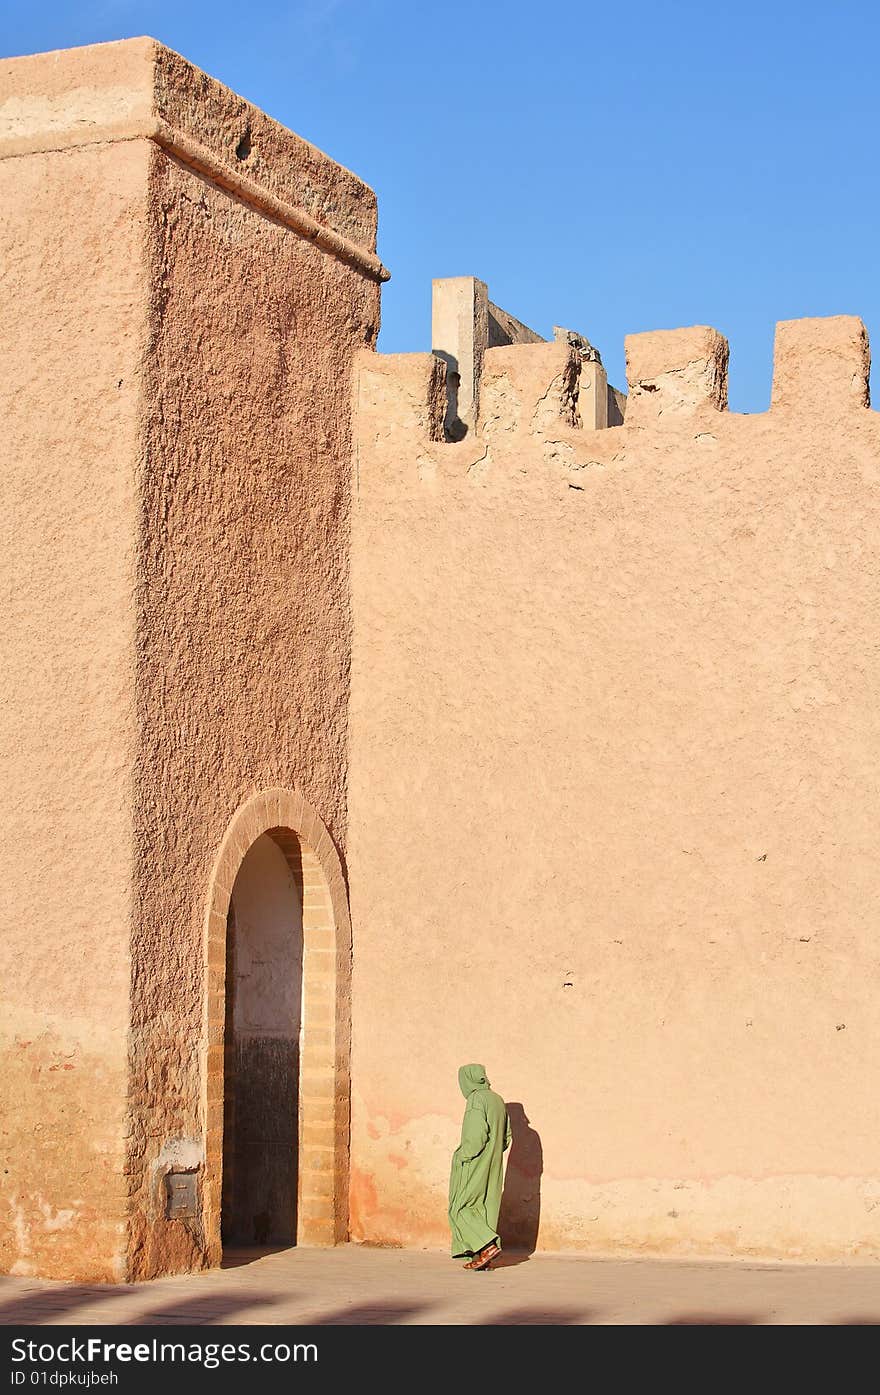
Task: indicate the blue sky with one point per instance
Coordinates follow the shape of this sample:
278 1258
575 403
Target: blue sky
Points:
609 168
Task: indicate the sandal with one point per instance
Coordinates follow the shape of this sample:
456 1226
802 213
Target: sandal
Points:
485 1257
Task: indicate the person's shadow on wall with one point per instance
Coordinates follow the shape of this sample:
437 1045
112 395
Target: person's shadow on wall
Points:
520 1213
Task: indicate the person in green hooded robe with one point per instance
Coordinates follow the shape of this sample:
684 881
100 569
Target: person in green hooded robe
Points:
477 1174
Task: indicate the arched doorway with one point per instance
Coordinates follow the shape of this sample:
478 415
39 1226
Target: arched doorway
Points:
264 963
277 1029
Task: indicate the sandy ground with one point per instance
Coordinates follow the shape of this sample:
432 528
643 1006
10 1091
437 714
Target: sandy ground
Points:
354 1285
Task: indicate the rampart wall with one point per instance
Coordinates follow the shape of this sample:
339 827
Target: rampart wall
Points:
614 796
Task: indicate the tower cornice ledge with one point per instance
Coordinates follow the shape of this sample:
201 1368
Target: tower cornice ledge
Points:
136 89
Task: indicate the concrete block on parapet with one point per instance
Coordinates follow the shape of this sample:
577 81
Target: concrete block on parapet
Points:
459 336
675 373
594 394
615 412
529 388
821 365
505 329
600 404
464 324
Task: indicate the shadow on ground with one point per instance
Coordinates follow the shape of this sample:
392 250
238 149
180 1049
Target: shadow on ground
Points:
543 1317
372 1314
508 1259
205 1308
234 1256
713 1320
53 1305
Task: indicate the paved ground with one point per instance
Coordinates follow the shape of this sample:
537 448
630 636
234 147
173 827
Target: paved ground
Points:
357 1285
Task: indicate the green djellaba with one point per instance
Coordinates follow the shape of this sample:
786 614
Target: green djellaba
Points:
477 1174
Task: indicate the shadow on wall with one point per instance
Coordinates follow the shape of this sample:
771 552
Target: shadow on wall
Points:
520 1214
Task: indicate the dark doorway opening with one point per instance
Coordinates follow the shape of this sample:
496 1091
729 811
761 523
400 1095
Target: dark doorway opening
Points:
264 956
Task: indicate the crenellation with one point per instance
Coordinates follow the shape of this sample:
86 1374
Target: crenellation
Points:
399 409
529 388
545 408
401 396
821 365
675 372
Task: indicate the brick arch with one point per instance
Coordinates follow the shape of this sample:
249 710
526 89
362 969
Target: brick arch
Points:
292 823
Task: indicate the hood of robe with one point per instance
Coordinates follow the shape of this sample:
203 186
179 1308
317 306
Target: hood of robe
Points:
472 1078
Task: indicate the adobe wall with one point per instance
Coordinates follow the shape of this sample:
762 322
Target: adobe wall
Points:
73 322
244 644
614 799
210 510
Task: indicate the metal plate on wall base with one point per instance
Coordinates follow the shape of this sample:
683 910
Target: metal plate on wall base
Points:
181 1196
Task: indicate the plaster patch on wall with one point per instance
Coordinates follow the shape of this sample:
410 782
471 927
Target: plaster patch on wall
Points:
56 1220
180 1154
